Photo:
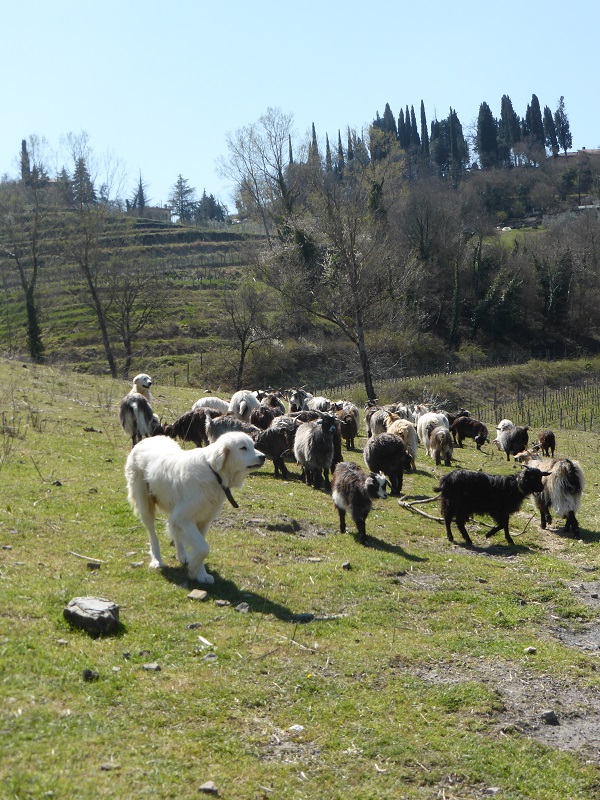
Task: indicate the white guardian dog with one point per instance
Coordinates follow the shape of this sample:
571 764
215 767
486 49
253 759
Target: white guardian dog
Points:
190 486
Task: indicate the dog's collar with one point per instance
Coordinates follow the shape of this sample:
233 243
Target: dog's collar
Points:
226 489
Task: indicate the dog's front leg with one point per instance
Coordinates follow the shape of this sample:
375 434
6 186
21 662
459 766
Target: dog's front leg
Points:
187 535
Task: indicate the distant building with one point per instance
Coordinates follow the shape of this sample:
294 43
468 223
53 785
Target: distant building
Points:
157 213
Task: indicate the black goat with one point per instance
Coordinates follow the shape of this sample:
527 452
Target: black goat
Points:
468 428
191 426
546 442
387 453
353 490
275 443
467 492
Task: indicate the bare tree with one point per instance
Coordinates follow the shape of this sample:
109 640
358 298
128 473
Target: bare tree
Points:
25 235
246 310
135 298
259 160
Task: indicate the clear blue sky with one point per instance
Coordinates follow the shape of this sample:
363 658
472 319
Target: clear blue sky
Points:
159 84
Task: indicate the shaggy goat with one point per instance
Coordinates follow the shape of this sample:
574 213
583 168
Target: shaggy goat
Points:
191 426
224 424
427 422
275 442
466 492
135 412
348 427
212 402
467 428
563 489
513 440
353 490
440 445
546 442
314 449
408 433
242 403
261 416
386 453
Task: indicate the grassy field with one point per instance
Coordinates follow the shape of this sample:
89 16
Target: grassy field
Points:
411 668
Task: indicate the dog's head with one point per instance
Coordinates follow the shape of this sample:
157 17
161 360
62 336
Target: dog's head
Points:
142 381
234 456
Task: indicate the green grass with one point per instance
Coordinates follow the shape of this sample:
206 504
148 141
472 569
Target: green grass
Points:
399 681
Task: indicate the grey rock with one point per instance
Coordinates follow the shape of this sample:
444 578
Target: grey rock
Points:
198 594
152 667
208 788
95 615
243 608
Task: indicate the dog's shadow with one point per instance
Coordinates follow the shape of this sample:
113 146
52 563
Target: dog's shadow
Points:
223 589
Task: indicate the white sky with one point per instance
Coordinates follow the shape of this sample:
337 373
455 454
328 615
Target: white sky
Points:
160 83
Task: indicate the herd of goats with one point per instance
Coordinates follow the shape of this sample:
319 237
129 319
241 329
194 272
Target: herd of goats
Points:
312 429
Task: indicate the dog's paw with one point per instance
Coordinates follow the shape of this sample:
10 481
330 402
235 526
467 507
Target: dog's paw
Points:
155 563
204 578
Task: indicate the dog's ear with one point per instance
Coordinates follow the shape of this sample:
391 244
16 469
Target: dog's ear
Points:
220 457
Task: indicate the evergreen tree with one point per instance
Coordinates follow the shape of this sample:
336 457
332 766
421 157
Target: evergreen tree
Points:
536 138
509 130
403 133
415 140
65 187
182 200
328 160
339 165
84 193
350 150
424 134
290 152
563 129
313 152
388 123
550 132
486 141
25 163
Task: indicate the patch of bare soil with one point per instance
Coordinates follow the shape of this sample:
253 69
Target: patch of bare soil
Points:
527 698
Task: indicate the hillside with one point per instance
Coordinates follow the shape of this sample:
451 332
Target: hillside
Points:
314 665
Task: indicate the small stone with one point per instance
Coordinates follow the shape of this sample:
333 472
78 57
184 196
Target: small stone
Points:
93 565
152 667
126 655
197 594
594 595
210 657
90 675
208 788
116 669
136 564
108 765
222 603
499 613
492 791
243 608
62 642
347 565
530 651
550 718
7 546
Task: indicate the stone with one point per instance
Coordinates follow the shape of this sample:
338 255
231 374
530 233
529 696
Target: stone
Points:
550 718
243 608
197 594
530 651
152 667
93 565
208 788
108 765
222 603
95 615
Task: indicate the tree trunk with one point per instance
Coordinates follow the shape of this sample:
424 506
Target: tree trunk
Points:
103 329
34 331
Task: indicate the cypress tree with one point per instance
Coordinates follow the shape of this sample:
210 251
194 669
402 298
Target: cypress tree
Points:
486 141
563 129
350 150
550 132
388 122
415 140
403 135
84 193
509 130
424 134
328 161
340 156
290 153
313 153
25 163
535 123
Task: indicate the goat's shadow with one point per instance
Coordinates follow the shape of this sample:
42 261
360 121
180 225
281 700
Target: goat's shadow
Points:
378 544
223 589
